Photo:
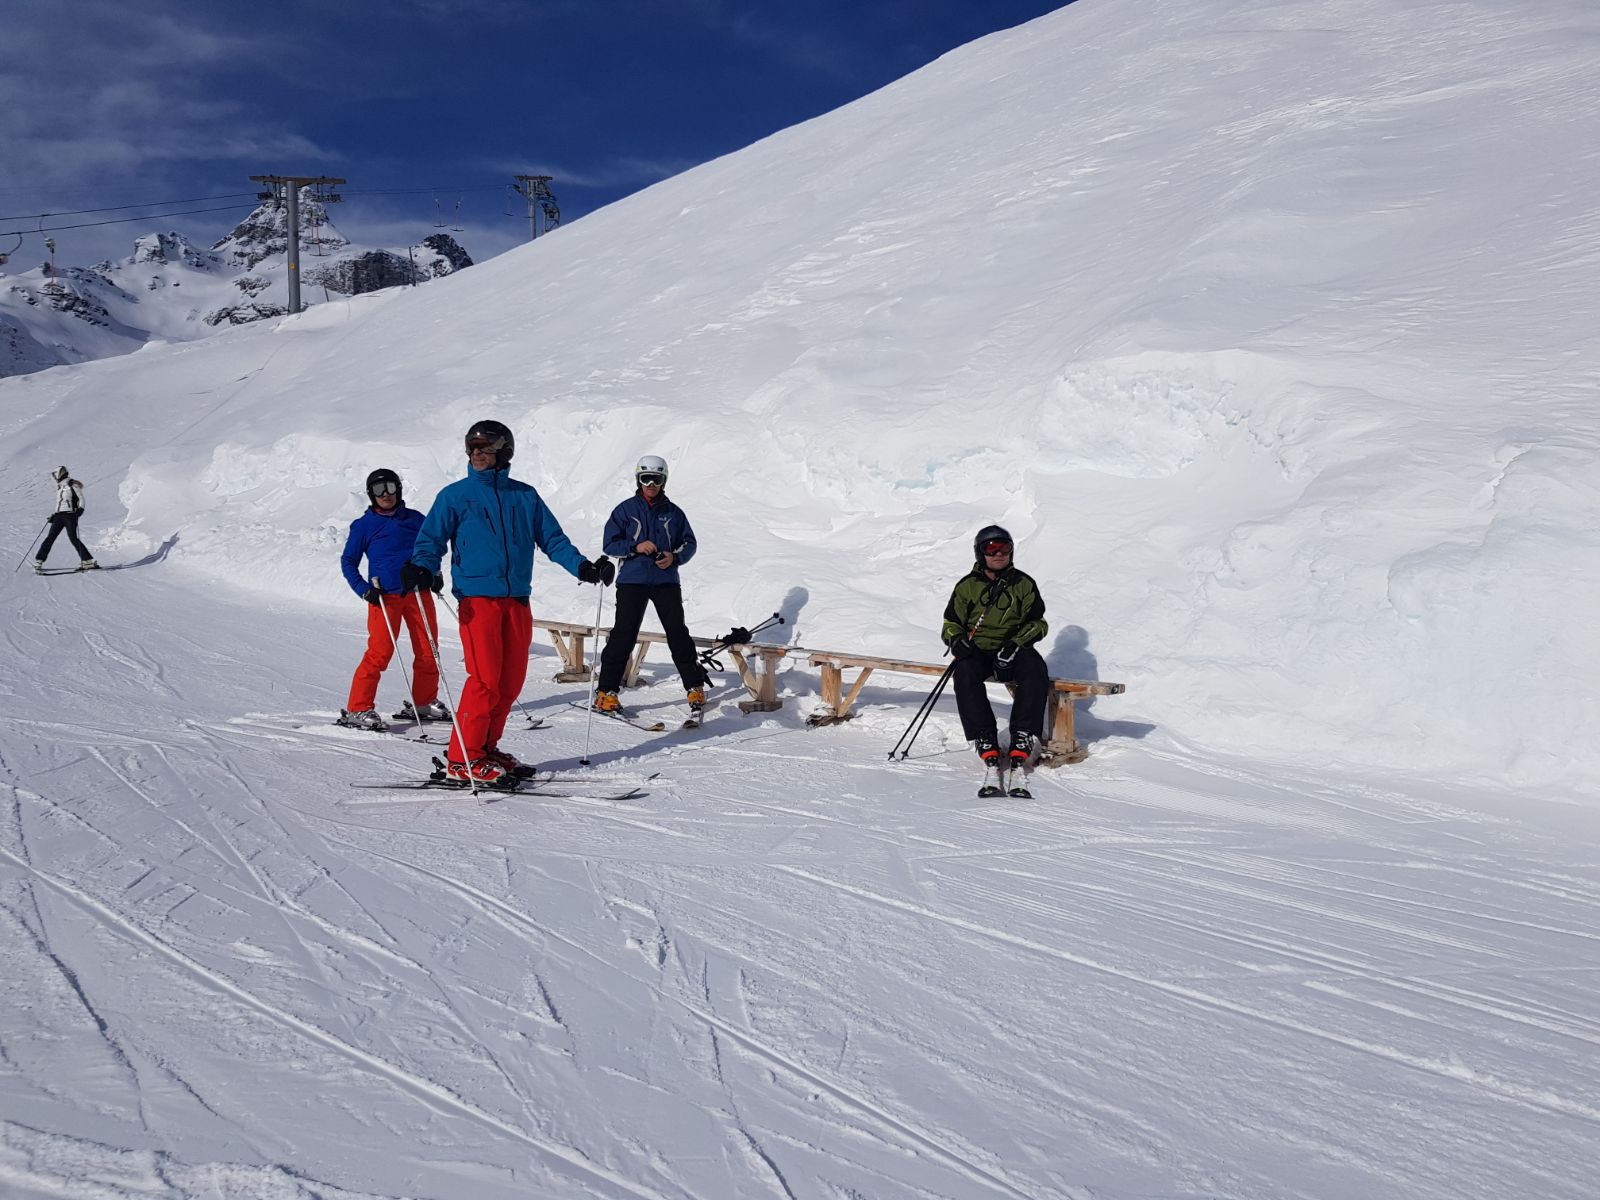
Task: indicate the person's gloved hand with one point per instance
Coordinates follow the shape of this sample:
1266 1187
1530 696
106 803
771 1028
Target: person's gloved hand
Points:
372 595
737 636
1005 661
601 570
419 579
962 646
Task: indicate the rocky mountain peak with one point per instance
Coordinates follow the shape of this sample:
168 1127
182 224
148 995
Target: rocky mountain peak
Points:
265 232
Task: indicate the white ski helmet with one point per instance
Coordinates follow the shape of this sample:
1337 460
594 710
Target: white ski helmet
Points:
651 464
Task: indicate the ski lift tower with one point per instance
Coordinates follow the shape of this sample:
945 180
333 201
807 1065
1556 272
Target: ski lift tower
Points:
287 188
535 189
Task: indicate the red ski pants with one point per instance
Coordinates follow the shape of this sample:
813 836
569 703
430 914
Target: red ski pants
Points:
496 632
381 638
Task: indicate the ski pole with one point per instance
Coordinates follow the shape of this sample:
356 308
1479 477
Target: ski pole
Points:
708 656
594 675
395 642
438 661
923 724
923 713
927 705
31 545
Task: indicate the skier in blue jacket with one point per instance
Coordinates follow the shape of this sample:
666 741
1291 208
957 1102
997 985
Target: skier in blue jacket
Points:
653 538
490 524
383 535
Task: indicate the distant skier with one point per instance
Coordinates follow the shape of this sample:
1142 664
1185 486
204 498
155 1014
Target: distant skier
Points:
384 535
994 617
69 507
653 538
490 524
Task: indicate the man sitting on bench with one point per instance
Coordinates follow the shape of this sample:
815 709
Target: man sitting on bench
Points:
994 617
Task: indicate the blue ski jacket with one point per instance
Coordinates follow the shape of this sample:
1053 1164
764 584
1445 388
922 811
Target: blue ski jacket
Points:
491 523
386 540
636 520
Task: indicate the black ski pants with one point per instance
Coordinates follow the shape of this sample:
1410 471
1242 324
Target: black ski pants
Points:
631 601
69 523
1031 678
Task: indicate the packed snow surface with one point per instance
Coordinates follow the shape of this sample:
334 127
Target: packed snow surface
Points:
1266 328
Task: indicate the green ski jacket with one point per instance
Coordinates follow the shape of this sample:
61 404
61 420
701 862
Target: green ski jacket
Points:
1011 608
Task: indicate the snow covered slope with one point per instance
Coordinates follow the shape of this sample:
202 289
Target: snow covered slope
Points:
170 290
1263 326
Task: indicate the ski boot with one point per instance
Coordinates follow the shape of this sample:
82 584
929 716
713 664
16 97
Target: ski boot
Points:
367 719
1024 747
434 710
508 763
38 566
607 702
480 771
88 564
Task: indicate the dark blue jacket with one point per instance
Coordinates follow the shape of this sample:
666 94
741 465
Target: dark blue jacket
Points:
491 522
636 520
386 540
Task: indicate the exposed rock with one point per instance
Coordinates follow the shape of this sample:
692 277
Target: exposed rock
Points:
447 248
243 314
355 275
170 247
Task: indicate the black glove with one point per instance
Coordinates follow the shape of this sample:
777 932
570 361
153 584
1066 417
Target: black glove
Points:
737 636
372 595
419 579
1005 661
962 646
602 570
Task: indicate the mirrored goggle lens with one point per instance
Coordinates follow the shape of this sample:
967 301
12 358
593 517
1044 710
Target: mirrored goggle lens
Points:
476 444
385 488
997 547
647 478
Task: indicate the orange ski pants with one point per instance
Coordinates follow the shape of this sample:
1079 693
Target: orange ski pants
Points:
496 632
383 629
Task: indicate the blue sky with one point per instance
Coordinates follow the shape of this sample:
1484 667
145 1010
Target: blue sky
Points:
108 102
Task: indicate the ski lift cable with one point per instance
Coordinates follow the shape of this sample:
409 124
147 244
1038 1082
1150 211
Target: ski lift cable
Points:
78 212
492 187
124 220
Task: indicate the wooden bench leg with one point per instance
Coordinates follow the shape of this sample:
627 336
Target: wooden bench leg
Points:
836 704
762 683
630 677
1060 731
570 647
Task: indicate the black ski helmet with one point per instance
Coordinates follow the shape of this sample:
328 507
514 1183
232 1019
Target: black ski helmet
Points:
989 533
494 432
383 475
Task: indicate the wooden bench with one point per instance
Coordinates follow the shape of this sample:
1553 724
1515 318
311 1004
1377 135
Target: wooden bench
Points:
758 663
1060 718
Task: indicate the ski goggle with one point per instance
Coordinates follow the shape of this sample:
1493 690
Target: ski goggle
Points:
650 478
385 488
481 443
997 547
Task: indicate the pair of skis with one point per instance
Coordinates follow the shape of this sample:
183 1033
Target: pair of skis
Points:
524 781
995 783
696 716
388 730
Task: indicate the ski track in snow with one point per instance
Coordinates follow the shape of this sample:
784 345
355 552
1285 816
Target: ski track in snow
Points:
824 967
